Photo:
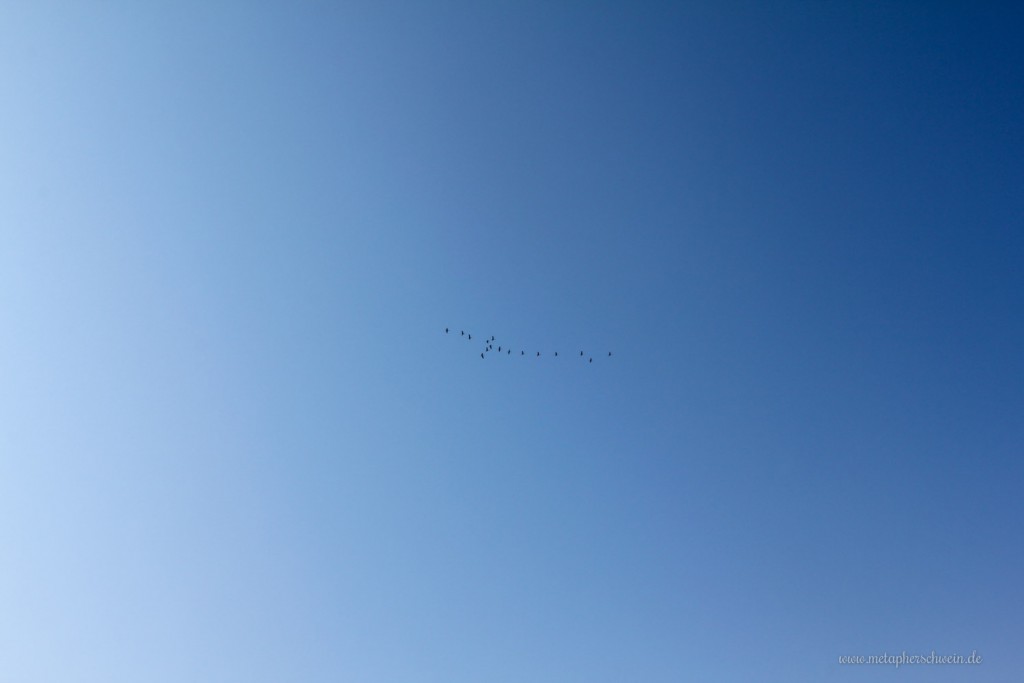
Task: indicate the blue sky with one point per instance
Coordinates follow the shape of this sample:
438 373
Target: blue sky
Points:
236 444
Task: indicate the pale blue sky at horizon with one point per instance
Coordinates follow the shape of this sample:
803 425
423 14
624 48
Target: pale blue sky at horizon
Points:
237 445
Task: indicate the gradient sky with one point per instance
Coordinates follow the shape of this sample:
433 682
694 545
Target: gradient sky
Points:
236 444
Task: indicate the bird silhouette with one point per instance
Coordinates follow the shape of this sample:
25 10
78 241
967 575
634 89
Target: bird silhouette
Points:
490 346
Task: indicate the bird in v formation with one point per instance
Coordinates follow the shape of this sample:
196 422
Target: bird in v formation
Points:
489 346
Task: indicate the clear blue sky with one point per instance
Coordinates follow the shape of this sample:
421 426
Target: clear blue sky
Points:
236 444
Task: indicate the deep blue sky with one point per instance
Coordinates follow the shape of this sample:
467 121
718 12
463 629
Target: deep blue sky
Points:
236 444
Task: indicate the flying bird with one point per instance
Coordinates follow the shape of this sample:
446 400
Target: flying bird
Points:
490 346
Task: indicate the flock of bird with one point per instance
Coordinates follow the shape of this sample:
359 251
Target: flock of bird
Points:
489 347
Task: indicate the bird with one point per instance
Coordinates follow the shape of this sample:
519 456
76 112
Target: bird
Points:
490 346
